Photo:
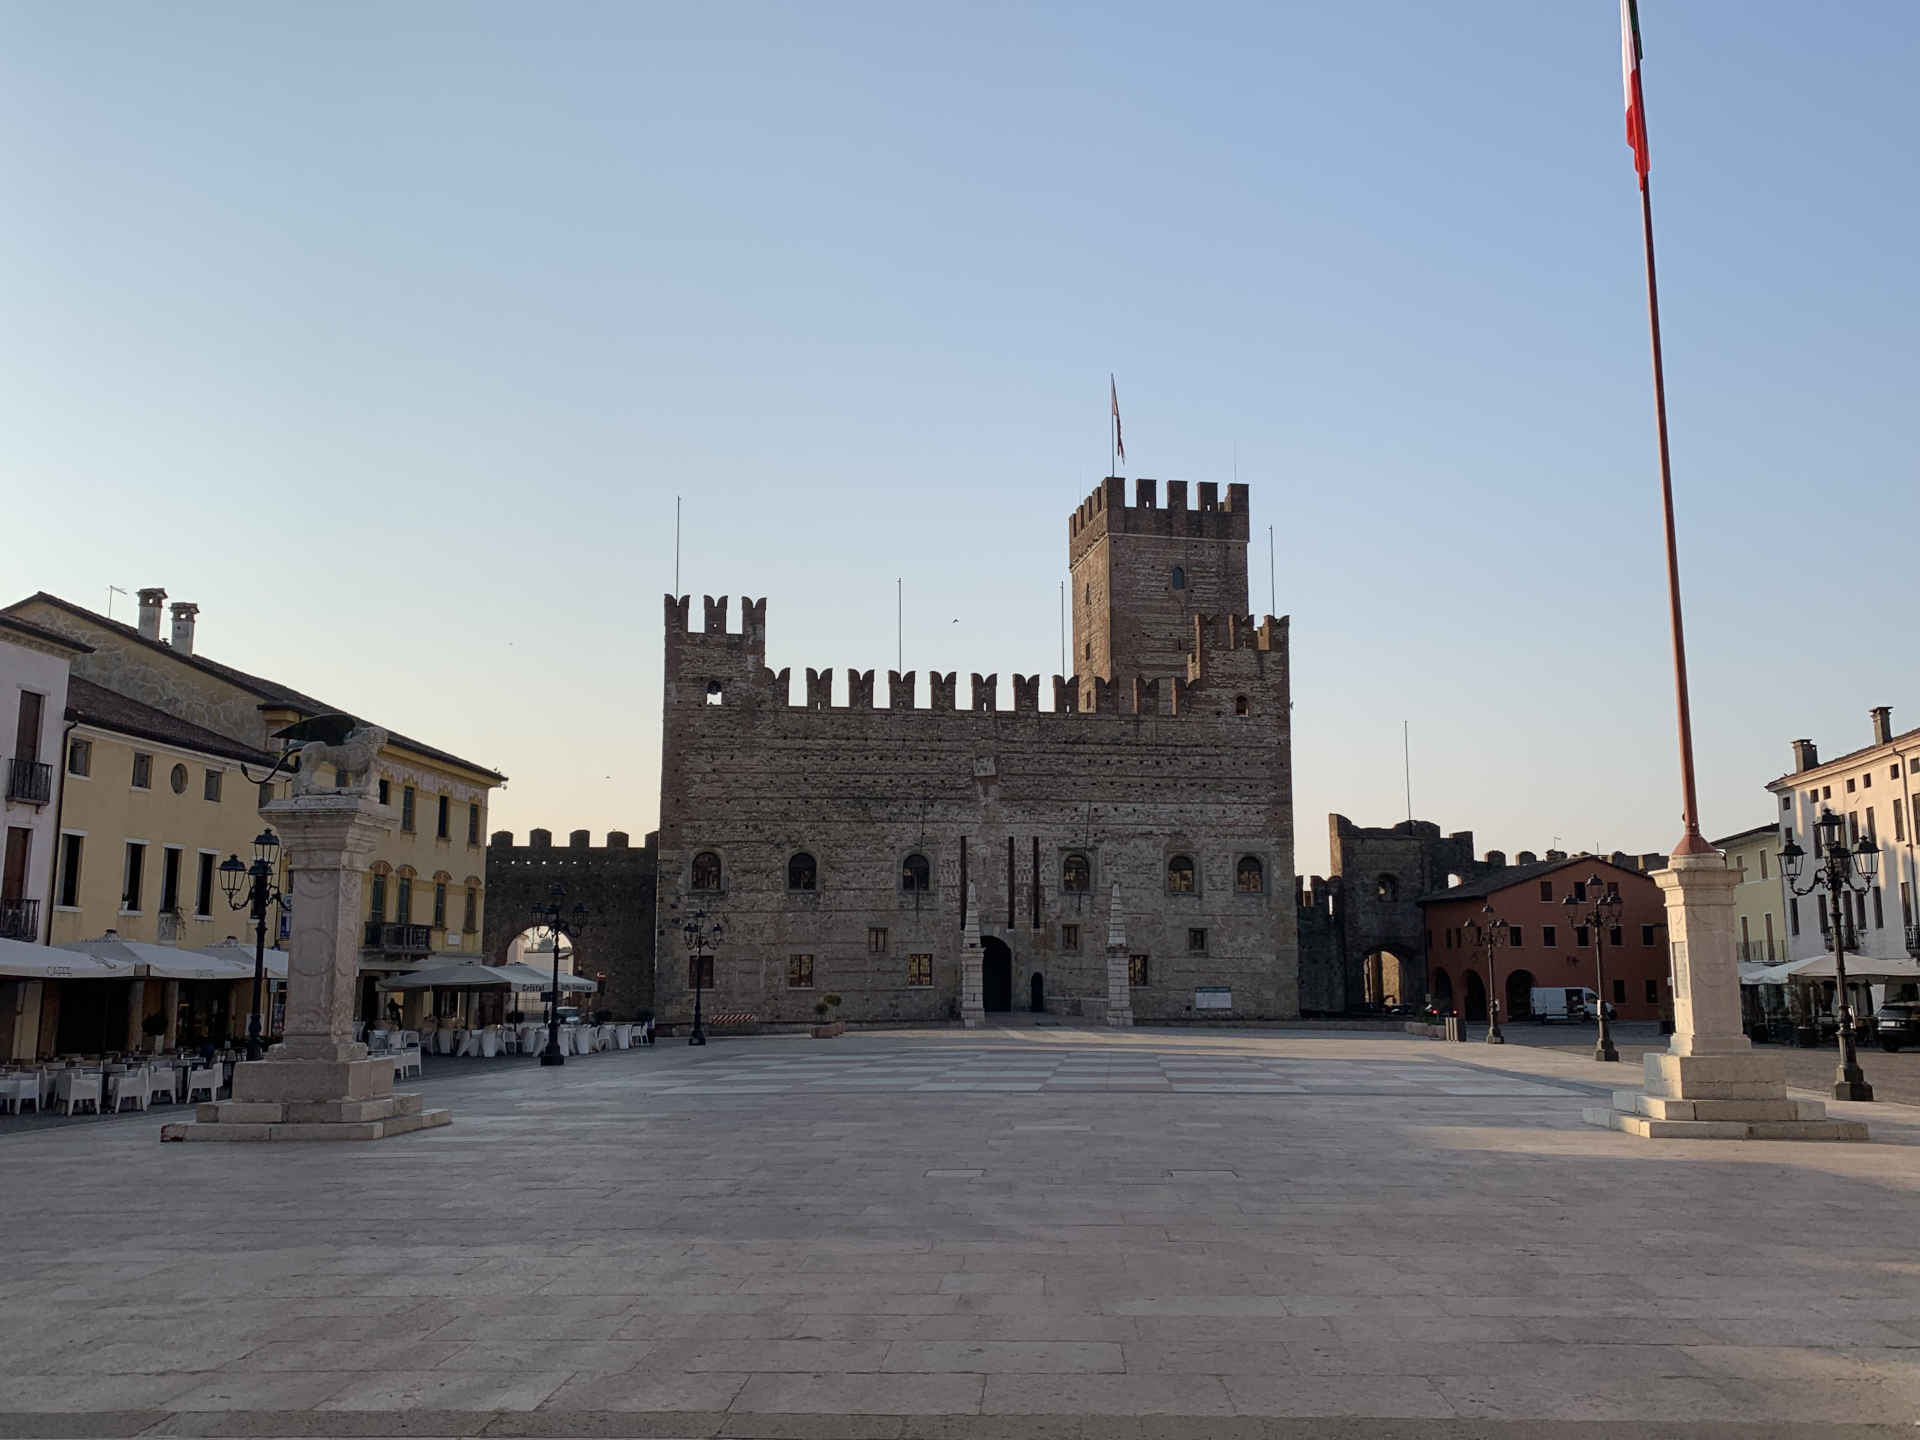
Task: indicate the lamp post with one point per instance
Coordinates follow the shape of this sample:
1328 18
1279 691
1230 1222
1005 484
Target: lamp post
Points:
1603 915
557 922
704 932
1490 932
252 888
1840 870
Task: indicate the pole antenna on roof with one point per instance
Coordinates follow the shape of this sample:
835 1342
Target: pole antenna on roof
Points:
1406 764
676 547
112 590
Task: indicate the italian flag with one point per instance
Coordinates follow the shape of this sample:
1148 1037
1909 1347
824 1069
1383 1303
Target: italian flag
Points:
1630 79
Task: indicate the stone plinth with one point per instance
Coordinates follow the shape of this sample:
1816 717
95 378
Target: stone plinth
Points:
319 1083
1711 1084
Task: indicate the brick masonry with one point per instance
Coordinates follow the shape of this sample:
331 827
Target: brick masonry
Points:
614 881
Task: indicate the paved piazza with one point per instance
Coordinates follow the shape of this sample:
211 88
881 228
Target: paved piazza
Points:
1017 1234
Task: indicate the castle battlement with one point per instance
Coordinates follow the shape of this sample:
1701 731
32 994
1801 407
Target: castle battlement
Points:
1106 512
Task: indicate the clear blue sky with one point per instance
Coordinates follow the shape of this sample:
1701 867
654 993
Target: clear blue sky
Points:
388 334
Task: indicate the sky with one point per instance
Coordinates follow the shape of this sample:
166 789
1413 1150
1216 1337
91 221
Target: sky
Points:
390 335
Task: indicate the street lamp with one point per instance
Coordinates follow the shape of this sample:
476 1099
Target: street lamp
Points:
252 888
557 922
1840 870
1603 915
704 932
1490 932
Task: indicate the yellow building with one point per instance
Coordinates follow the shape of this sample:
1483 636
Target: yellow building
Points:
425 891
1754 857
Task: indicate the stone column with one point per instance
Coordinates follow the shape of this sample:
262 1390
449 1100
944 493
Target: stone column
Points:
318 1083
136 1012
1119 983
1711 1084
973 1009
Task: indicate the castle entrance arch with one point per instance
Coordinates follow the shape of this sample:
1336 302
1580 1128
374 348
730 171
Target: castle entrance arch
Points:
1474 1007
996 974
1392 976
1519 988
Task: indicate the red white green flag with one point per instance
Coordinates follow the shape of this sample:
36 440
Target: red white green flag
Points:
1630 78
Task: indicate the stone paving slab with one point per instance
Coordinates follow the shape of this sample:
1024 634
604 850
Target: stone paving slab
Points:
878 1242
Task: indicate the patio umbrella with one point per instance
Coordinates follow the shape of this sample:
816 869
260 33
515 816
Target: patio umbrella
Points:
23 961
1859 968
529 978
242 955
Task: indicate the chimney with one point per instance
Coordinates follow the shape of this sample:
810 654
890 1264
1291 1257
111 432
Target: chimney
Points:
183 613
1882 724
1805 755
150 602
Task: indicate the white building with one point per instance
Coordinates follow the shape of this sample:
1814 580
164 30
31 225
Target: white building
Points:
1873 790
33 707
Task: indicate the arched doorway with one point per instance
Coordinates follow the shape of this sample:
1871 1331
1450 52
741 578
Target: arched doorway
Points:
996 975
1443 989
1519 989
1474 1007
1037 994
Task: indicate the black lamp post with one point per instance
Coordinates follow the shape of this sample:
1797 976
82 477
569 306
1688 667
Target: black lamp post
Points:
1840 870
704 932
557 921
1490 932
1603 915
252 888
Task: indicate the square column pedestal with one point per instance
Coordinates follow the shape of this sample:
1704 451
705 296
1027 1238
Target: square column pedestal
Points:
1711 1084
318 1084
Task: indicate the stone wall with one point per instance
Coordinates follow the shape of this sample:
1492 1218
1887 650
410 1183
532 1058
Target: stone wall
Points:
614 881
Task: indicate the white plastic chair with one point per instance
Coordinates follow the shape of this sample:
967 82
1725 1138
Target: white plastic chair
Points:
207 1079
623 1037
162 1081
443 1041
489 1043
407 1062
469 1042
134 1085
16 1090
533 1039
77 1087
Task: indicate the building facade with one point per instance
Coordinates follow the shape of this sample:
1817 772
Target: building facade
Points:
34 669
426 883
1759 914
847 844
1547 947
1872 790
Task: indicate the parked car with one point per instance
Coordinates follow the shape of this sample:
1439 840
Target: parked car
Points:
1898 1024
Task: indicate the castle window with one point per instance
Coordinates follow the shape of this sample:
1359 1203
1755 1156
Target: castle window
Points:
1136 970
800 872
1069 937
876 939
700 972
920 970
1386 887
706 871
1076 876
799 972
1197 941
1250 876
916 875
1179 577
716 693
1180 876
1239 704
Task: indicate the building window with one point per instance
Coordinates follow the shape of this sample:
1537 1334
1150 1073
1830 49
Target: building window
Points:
1899 820
800 872
266 793
1386 887
1196 941
406 808
1786 803
1516 936
1076 875
1740 865
1069 937
799 972
80 757
1653 992
916 875
706 871
440 819
1793 916
472 918
1546 890
377 898
1906 903
1180 878
700 972
1646 934
1239 704
439 904
1616 936
920 970
1136 970
210 786
473 823
386 792
1872 833
403 900
1619 992
203 886
70 847
1446 938
1579 891
1826 792
1580 937
1549 935
876 939
1179 578
1250 876
177 779
1763 864
142 770
1879 918
131 876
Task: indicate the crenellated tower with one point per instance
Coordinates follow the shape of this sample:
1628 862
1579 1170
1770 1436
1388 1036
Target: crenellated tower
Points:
1142 572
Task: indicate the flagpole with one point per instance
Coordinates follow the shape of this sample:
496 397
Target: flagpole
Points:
1692 842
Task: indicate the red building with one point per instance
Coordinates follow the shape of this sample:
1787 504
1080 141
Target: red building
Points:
1550 943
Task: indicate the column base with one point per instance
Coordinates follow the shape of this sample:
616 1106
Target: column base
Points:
1120 1019
256 1120
972 1018
1719 1097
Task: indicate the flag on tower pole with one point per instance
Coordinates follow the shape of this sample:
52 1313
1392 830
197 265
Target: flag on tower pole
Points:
1630 80
1119 447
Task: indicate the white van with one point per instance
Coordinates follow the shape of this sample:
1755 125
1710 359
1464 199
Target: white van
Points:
1573 1003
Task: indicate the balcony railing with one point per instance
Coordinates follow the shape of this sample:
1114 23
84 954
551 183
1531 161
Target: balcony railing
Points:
1913 941
398 939
1760 952
19 919
29 781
